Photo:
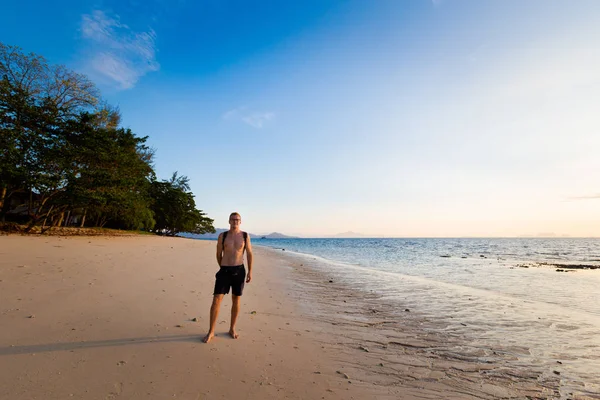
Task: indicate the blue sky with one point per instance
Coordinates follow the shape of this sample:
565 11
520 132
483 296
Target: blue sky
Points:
389 118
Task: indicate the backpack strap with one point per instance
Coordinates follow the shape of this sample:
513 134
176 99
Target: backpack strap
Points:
224 236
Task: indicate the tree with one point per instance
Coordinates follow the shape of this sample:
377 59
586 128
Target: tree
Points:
175 209
35 100
62 152
110 175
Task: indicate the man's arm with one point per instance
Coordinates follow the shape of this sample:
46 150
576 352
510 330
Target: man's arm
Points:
249 257
220 249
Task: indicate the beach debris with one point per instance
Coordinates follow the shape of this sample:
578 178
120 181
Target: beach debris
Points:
363 348
482 256
565 267
178 326
195 319
407 310
463 324
121 363
381 364
330 281
559 362
31 316
253 312
463 256
343 374
318 372
445 256
556 372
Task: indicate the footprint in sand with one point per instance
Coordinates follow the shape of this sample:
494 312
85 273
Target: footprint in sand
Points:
117 392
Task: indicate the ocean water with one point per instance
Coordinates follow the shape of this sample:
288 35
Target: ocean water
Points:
492 293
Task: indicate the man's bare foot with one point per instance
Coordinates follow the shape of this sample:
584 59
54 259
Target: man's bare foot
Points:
233 334
208 337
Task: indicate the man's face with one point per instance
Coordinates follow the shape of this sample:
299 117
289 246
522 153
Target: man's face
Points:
235 221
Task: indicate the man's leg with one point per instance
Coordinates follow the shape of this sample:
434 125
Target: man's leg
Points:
235 310
214 313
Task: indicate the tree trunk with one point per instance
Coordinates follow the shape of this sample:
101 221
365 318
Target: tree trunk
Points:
60 219
35 218
44 229
83 218
68 218
3 204
2 196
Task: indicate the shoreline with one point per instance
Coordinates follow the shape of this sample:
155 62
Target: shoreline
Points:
109 317
397 345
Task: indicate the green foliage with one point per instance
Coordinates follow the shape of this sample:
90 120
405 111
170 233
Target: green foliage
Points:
175 209
35 101
63 156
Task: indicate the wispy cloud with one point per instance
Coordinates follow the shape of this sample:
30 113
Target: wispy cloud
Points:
588 197
437 3
118 52
253 118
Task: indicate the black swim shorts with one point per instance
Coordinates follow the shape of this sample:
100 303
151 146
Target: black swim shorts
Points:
230 277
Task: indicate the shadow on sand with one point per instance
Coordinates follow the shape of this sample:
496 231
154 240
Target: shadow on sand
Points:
42 348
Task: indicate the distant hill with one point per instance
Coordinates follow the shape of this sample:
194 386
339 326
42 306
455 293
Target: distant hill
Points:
277 235
215 236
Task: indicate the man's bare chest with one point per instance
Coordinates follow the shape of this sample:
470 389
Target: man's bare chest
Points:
234 243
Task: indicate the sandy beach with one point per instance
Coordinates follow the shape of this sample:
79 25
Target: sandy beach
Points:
113 317
106 318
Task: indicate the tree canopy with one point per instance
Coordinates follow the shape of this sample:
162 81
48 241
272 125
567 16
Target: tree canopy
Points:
64 160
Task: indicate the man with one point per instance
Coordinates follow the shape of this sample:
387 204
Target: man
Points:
230 256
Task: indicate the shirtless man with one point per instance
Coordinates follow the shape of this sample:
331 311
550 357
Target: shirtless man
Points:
230 256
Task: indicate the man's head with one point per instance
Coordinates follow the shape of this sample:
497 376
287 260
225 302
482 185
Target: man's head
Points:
235 219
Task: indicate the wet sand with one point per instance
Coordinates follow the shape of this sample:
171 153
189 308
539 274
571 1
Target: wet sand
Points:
417 354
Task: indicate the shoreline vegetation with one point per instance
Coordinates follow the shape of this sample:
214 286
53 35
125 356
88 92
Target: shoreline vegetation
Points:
65 160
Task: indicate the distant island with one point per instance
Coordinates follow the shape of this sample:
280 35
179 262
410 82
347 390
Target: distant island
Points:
277 235
218 231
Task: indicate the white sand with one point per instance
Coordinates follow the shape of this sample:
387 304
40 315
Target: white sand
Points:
97 318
